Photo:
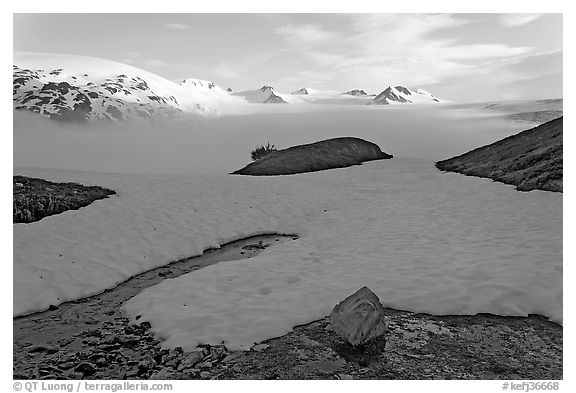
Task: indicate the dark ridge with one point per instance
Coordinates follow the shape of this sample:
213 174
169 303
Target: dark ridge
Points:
318 156
530 160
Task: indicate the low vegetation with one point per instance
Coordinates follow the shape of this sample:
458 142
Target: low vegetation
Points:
262 151
530 160
35 199
327 154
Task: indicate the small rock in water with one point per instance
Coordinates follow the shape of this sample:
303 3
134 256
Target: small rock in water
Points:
359 318
145 325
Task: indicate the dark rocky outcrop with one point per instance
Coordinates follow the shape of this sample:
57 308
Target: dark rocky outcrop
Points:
530 160
327 154
35 199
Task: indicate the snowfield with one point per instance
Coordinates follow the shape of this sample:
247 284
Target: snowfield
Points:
422 240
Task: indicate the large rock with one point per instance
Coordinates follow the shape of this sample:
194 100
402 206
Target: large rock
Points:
359 318
530 160
318 156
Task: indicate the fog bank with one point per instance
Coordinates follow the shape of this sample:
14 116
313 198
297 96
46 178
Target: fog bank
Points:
223 144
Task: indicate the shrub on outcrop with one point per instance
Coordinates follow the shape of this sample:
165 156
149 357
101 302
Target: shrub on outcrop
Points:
262 151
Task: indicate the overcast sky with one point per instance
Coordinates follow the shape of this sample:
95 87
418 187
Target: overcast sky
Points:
460 57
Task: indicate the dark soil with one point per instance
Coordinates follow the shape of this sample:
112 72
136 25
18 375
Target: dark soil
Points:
530 160
35 199
318 156
418 346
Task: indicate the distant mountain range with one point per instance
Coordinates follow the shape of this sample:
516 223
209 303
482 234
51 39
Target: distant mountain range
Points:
76 88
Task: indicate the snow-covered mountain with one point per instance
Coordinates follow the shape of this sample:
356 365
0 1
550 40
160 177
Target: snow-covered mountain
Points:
264 95
403 95
302 91
355 92
77 88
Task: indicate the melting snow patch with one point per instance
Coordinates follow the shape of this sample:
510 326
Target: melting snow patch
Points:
421 240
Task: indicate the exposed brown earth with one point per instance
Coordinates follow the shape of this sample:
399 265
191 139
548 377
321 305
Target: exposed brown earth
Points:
530 160
318 156
34 199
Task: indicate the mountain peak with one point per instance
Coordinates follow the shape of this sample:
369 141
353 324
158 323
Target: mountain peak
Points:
302 91
402 95
355 92
264 95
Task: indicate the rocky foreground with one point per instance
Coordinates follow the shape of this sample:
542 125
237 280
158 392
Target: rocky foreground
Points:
418 346
91 339
34 199
327 154
530 160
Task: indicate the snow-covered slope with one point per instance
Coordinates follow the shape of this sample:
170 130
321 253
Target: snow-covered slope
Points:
443 244
403 95
264 95
66 87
